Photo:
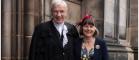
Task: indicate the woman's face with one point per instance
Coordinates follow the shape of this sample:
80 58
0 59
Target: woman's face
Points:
88 30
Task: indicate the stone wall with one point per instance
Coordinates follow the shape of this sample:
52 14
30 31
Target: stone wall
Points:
19 17
96 9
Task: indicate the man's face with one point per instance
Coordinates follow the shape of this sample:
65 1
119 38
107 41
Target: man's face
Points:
59 13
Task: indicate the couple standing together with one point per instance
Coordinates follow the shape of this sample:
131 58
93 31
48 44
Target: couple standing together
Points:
58 40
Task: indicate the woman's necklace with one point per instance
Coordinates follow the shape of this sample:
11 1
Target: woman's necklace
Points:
88 48
89 44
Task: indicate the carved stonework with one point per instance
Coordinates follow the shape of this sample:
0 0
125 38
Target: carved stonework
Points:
116 20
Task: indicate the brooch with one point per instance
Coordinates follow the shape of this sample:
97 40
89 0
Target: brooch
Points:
97 46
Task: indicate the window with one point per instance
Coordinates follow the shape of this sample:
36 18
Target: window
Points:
115 20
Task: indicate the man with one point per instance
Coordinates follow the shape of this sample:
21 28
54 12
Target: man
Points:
54 40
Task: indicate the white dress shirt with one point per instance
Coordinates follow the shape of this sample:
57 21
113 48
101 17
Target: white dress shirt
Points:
63 27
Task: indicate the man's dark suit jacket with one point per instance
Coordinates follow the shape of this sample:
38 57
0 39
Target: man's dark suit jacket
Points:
46 43
100 51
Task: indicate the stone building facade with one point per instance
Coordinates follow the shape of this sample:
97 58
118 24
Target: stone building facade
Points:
116 20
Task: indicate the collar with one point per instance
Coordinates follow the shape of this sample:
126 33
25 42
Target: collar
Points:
56 24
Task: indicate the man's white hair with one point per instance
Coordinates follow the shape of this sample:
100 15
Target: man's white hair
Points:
58 2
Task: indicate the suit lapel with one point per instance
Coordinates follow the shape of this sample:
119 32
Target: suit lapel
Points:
55 34
54 30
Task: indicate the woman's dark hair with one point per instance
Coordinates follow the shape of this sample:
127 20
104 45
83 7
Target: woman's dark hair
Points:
90 21
87 21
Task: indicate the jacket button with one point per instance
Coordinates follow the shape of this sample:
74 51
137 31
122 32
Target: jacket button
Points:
63 53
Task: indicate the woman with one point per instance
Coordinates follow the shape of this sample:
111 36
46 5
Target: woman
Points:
89 47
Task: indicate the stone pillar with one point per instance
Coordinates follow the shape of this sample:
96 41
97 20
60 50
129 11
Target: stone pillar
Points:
46 10
133 27
109 19
14 30
6 30
19 29
32 13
